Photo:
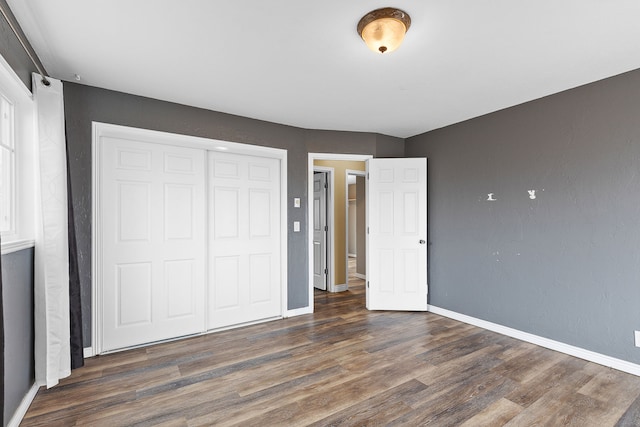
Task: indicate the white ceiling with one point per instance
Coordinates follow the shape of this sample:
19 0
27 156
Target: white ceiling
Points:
301 63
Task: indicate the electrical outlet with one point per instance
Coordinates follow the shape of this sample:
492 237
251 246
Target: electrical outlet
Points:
637 335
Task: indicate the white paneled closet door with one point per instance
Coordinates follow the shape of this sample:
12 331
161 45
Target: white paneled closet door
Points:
244 239
154 242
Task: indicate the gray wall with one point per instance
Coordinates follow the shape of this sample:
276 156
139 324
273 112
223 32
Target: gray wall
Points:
85 104
13 52
565 265
17 293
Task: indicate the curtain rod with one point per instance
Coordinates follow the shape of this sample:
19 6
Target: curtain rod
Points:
44 75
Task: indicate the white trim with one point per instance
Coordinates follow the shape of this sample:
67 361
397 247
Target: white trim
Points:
22 409
341 287
207 246
591 356
88 352
182 140
310 166
338 156
352 256
11 74
360 276
96 243
17 245
299 311
101 130
366 237
284 235
330 223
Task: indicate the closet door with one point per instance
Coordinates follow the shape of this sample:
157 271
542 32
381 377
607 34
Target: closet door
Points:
244 239
153 235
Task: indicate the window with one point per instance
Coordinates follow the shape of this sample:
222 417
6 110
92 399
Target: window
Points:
7 168
17 162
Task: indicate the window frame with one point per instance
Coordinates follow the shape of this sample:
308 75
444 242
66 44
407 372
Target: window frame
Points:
10 147
24 135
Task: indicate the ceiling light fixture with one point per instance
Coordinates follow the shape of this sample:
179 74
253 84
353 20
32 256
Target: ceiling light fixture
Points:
383 29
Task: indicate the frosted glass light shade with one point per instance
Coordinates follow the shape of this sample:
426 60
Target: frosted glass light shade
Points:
383 30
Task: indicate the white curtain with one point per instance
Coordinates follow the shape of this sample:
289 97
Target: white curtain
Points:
53 360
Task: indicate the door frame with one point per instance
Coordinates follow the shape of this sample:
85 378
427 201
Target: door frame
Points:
100 130
346 216
310 167
330 218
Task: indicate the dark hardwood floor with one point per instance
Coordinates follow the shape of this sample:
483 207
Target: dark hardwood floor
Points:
342 365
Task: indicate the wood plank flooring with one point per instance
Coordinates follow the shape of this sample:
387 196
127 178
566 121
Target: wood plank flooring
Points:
342 365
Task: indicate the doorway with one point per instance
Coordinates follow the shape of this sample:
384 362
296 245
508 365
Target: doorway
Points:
396 192
337 214
337 261
356 226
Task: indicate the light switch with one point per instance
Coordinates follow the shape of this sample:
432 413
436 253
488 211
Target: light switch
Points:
296 225
296 202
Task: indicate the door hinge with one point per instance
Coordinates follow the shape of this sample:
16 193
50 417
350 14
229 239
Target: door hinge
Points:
326 228
367 284
326 271
367 175
367 230
326 185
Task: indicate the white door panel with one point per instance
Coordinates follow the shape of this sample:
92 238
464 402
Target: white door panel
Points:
153 242
244 245
397 218
320 230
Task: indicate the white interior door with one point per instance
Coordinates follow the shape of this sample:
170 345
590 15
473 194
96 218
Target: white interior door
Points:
244 239
153 242
397 222
320 230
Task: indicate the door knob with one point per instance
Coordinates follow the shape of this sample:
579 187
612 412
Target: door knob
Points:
422 242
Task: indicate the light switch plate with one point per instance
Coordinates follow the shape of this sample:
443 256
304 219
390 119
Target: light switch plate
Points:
296 225
637 336
296 202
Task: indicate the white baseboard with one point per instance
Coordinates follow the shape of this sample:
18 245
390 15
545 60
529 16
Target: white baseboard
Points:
340 288
88 352
352 255
17 417
298 312
591 356
360 276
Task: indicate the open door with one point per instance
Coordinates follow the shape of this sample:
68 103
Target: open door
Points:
397 225
320 230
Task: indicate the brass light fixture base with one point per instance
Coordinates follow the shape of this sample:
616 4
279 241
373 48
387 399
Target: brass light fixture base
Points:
383 29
